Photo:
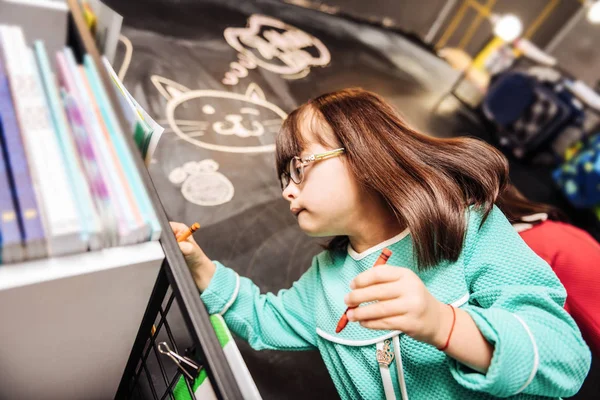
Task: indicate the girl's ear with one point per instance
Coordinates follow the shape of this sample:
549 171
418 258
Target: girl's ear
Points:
168 88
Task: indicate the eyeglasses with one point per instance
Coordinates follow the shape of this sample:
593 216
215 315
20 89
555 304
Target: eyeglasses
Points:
295 170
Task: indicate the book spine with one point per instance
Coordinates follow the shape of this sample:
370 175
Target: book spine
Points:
78 185
64 231
133 177
9 224
115 225
123 185
30 217
87 155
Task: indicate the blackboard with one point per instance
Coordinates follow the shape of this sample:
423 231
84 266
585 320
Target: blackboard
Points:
216 165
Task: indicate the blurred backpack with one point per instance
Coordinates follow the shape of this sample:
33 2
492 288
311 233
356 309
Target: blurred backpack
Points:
579 176
529 114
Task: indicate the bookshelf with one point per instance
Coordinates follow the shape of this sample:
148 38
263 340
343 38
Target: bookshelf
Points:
71 324
14 276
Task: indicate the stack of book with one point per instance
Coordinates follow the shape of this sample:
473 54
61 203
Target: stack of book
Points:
68 183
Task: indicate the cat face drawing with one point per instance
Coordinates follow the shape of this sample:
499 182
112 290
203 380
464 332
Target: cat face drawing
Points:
221 121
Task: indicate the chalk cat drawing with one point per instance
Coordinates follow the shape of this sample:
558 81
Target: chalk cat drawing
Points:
201 184
219 120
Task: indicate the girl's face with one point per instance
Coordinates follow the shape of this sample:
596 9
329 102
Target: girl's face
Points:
328 199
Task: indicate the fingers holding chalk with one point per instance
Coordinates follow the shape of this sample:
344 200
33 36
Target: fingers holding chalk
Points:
183 235
178 227
201 267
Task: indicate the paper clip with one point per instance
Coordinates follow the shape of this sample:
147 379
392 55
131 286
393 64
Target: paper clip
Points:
187 366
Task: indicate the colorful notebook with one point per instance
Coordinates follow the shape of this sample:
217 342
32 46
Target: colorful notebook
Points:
11 249
32 229
124 231
63 227
136 222
87 154
125 156
104 189
92 227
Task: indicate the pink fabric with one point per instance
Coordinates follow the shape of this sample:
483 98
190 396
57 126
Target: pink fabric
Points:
574 256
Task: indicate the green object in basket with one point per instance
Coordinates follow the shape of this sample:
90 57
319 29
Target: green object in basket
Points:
202 387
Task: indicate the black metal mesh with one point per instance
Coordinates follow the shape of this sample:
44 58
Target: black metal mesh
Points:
155 375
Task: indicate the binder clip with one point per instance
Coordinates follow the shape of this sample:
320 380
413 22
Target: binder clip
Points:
189 367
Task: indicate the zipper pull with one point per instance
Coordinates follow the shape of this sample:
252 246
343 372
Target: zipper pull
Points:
385 356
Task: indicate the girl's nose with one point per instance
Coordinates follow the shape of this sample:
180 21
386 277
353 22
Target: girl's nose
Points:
291 191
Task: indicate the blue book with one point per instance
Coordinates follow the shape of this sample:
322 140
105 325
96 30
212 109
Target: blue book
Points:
32 231
92 229
11 249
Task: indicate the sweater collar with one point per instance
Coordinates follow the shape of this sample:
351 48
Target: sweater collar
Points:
527 222
359 256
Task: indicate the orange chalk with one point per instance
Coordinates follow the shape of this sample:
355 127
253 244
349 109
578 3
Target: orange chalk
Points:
181 236
382 259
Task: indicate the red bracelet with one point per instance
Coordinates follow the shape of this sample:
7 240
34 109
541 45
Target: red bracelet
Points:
451 329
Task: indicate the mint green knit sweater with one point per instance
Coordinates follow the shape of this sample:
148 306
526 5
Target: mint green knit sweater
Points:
512 295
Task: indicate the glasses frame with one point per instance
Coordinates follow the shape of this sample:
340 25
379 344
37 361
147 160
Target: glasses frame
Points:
286 176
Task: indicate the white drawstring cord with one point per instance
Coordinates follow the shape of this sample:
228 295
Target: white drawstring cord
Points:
399 367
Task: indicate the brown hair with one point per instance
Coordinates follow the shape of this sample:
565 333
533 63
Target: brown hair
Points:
516 206
427 182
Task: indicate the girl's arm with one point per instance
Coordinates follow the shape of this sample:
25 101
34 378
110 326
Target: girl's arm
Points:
517 304
466 343
281 322
267 321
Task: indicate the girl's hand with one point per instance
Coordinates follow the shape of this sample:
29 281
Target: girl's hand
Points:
201 267
403 303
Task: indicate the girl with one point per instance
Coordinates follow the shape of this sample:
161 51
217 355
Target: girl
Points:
572 253
462 310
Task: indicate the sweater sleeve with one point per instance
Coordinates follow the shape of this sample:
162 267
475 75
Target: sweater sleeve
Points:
517 303
266 321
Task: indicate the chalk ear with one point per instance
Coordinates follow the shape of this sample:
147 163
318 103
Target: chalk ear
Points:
208 165
168 88
254 92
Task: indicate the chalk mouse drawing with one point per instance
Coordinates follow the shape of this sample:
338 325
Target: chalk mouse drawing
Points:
275 46
201 184
248 119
